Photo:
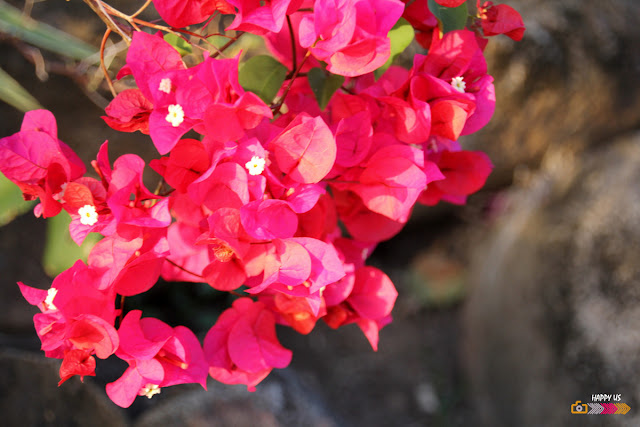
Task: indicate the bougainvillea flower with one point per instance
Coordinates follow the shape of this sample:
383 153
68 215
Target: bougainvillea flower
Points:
158 356
129 111
369 305
76 315
269 219
465 172
422 20
261 17
294 311
500 19
77 362
305 150
129 200
362 223
465 71
350 35
38 162
182 13
391 181
321 221
279 44
187 161
242 347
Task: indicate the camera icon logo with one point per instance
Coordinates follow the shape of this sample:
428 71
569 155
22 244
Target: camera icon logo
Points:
579 408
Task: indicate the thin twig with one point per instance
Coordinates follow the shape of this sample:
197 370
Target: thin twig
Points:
139 11
276 108
293 44
103 66
98 7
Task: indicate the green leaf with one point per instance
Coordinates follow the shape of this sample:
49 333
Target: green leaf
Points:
452 18
11 202
60 251
15 24
181 45
262 75
401 36
15 95
323 85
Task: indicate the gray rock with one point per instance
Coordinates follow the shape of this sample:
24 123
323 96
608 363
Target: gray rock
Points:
31 396
571 81
554 310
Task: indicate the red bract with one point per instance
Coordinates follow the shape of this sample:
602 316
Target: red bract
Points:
450 3
38 162
255 205
422 20
261 17
500 19
77 362
466 73
158 356
76 320
182 13
129 111
368 305
305 150
465 172
242 346
350 35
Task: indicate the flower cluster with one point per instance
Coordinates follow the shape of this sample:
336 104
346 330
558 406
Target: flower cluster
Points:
279 204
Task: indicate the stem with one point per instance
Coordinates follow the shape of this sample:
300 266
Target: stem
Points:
103 66
226 46
293 43
349 91
98 7
144 6
276 108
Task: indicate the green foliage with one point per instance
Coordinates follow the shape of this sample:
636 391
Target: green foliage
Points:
452 18
60 251
15 95
262 75
401 36
11 202
15 24
323 85
181 45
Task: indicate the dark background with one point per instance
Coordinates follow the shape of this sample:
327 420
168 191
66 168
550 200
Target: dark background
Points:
511 308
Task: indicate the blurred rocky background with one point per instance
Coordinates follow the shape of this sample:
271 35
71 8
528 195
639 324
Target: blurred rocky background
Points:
511 308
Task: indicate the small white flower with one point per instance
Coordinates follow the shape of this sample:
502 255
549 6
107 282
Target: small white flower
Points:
458 84
165 85
176 115
255 166
48 301
88 215
149 390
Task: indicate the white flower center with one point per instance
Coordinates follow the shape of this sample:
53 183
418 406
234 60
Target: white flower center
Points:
176 115
48 301
149 390
255 166
458 84
165 85
88 215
